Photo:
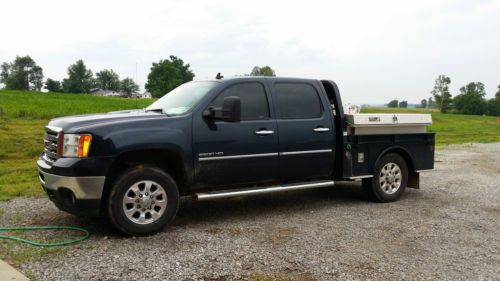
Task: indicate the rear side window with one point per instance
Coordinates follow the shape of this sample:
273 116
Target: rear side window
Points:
297 101
254 105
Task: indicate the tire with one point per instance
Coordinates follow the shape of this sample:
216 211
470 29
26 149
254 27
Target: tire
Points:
390 178
133 212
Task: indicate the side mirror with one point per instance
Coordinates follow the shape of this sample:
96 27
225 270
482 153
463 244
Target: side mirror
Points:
230 111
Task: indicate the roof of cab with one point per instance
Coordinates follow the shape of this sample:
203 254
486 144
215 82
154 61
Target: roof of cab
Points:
242 78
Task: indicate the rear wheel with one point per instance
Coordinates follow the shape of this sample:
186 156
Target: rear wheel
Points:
143 200
389 180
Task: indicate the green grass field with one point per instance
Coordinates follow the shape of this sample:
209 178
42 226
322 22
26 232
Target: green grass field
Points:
24 114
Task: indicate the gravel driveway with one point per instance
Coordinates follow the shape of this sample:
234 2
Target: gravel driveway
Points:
449 229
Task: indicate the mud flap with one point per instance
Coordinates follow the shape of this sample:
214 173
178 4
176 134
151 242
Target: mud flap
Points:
414 180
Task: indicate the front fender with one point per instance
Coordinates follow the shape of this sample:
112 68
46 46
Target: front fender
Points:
147 138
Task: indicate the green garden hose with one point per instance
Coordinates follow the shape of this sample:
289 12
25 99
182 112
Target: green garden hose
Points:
63 243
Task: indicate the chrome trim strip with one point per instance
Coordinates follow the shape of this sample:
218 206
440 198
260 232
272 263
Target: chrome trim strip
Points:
306 152
424 170
270 189
264 154
237 156
41 162
53 129
82 187
361 177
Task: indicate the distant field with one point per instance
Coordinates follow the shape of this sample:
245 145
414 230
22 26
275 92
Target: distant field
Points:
454 128
24 114
34 105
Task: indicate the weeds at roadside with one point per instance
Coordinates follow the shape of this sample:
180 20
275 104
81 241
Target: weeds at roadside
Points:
18 254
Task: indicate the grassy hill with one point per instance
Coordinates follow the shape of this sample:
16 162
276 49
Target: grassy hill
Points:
44 106
24 114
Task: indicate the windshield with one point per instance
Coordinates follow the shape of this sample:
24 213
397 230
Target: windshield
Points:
182 98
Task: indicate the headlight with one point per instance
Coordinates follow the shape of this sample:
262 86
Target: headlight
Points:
76 145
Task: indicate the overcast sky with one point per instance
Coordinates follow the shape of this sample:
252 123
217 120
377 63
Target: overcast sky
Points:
374 50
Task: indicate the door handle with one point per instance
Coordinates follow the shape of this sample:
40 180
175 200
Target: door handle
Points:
264 132
321 129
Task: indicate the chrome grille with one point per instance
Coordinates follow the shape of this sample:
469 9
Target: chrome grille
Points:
50 141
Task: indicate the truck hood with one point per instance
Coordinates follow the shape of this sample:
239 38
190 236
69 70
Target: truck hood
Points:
72 123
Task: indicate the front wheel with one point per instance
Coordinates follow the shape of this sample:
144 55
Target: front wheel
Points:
389 180
143 200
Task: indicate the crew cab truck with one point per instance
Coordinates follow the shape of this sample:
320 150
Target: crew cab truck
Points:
226 138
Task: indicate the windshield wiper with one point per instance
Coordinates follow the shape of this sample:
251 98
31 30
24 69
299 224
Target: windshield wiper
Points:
157 110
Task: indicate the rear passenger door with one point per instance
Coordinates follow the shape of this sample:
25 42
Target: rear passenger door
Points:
305 131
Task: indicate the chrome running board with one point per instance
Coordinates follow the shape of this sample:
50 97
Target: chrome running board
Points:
264 190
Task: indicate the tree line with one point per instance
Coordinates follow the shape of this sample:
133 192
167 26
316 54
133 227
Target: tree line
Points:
24 74
471 99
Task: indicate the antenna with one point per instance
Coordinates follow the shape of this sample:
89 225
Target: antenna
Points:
218 76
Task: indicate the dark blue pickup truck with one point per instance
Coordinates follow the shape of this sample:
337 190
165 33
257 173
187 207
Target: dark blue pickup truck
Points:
226 138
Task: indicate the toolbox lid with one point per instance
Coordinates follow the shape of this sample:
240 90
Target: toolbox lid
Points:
386 119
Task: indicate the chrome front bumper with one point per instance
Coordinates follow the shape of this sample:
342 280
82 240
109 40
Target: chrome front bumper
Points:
81 187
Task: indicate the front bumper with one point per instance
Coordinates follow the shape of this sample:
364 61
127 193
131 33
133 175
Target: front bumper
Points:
77 195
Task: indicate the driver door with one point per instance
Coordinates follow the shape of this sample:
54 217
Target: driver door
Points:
232 153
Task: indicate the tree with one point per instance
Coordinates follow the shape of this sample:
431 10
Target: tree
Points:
80 79
128 86
185 72
166 75
393 103
36 78
442 94
22 74
471 99
403 104
493 105
4 73
262 71
53 86
430 103
107 80
423 103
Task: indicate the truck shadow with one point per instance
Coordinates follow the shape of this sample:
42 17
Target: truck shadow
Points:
342 194
226 211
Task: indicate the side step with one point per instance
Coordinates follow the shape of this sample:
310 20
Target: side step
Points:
269 189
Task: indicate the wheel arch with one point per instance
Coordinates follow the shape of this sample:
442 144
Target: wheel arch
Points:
413 176
169 160
401 151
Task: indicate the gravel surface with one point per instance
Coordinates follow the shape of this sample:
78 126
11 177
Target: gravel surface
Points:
449 229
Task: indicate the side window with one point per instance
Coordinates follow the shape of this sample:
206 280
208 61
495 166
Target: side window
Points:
254 105
297 101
